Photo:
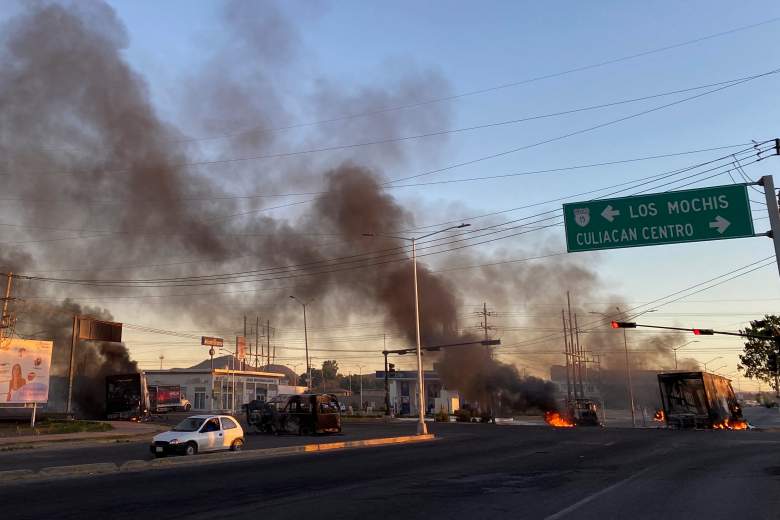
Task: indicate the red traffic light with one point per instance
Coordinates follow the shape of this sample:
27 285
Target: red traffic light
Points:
703 332
623 325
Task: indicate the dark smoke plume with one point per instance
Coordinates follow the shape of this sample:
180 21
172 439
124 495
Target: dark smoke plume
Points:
101 181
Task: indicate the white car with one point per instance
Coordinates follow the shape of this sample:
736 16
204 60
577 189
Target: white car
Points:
200 433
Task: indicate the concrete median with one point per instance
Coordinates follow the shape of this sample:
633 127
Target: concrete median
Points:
131 466
99 468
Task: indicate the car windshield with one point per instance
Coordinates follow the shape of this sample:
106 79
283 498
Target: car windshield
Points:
189 424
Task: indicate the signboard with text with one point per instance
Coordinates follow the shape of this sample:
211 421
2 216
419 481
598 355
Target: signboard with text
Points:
211 342
715 213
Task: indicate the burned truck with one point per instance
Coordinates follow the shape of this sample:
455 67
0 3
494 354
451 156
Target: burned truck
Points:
699 400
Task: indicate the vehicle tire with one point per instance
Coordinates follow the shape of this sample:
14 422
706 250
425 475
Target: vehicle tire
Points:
187 407
191 449
237 445
159 455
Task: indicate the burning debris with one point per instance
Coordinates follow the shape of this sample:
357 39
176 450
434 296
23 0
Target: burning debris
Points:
659 416
557 420
730 424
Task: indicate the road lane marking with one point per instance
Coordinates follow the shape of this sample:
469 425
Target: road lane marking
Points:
590 498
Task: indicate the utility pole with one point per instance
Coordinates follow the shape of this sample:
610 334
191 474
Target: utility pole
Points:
73 342
5 319
250 353
575 360
566 354
486 327
268 340
258 345
580 356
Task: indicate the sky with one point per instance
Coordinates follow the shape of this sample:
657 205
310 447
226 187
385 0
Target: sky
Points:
478 46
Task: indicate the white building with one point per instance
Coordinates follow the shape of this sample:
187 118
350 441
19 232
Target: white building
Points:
213 390
404 397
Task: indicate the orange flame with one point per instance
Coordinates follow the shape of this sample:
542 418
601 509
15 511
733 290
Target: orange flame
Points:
729 424
557 420
659 416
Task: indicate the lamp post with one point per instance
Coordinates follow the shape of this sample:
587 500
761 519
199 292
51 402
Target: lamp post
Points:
710 361
675 349
360 375
305 338
628 364
421 428
715 370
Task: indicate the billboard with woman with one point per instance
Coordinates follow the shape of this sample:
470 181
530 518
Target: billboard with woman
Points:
24 370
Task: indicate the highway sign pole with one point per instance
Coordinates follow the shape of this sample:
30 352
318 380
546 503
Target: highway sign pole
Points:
774 216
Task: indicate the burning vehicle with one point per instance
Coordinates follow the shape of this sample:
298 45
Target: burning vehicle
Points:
304 414
699 400
579 412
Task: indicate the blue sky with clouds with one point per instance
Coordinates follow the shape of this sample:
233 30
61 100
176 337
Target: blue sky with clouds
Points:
479 45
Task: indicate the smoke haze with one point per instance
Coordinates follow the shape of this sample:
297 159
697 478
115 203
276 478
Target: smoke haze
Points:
102 181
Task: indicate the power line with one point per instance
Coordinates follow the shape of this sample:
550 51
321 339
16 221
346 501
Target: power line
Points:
213 278
491 88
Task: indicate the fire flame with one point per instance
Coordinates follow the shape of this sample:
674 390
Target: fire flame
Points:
659 416
557 420
731 424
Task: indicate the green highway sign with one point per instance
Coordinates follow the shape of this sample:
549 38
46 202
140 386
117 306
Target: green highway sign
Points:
714 213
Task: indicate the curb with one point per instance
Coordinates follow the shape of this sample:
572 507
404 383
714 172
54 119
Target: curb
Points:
133 466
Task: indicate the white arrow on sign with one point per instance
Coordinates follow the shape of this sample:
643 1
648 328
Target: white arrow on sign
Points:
610 213
720 224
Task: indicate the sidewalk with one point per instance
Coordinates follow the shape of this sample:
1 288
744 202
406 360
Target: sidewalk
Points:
122 430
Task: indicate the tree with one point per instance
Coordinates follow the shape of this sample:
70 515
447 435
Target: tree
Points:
330 369
754 361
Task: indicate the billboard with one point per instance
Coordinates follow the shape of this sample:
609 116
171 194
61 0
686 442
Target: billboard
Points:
24 370
240 347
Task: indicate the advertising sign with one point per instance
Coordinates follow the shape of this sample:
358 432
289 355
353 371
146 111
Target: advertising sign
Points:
240 347
211 342
24 370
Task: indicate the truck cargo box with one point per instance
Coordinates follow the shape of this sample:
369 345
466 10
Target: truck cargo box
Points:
699 400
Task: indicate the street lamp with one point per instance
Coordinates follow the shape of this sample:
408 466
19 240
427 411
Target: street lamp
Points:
675 349
421 428
628 364
360 375
305 337
710 361
715 370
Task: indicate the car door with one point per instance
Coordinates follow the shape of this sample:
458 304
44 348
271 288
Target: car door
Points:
230 430
211 435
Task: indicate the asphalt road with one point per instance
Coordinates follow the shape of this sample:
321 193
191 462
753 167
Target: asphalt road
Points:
120 451
474 471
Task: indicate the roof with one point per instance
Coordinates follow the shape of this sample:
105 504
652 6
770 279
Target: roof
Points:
217 371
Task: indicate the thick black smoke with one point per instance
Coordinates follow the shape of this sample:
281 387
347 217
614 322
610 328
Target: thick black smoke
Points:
111 191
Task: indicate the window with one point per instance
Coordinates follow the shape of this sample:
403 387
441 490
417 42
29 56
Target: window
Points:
228 423
212 425
200 398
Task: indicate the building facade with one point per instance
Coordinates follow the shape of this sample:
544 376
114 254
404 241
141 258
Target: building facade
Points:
222 390
404 397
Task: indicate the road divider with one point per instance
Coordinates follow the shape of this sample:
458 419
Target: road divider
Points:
132 466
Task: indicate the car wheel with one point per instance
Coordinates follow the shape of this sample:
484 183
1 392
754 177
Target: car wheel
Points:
187 407
159 455
237 445
191 449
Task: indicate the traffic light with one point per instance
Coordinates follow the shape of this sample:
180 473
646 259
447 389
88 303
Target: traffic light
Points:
772 363
703 332
391 369
623 325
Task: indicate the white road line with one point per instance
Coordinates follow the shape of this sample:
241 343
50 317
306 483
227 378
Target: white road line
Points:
589 498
